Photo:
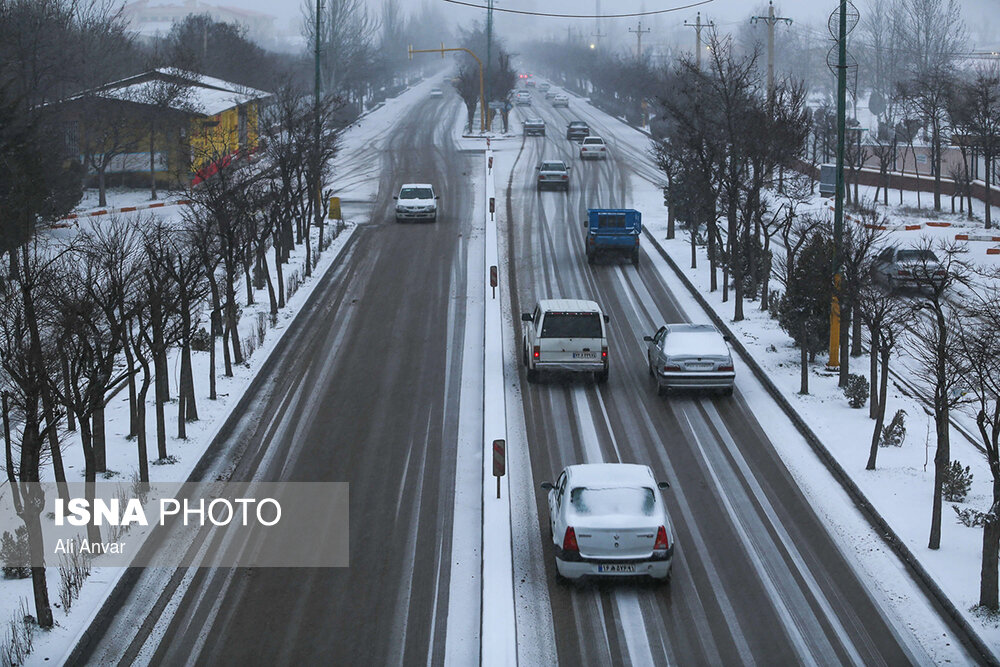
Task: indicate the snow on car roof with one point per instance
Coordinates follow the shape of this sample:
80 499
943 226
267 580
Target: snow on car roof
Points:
415 185
695 340
610 475
569 305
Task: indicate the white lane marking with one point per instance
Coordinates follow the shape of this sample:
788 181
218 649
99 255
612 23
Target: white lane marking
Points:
764 573
785 538
402 611
588 432
633 627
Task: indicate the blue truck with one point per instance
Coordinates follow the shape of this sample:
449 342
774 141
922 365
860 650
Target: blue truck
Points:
613 230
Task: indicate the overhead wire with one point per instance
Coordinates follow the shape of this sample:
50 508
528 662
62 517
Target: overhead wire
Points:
580 16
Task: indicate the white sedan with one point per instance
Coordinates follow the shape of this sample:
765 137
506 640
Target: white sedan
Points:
608 519
593 148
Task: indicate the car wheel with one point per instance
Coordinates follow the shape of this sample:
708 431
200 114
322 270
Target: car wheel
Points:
561 580
661 390
399 220
532 375
728 391
601 377
649 365
635 258
590 258
663 581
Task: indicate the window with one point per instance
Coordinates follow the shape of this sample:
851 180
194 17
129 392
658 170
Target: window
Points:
611 220
916 256
614 500
572 325
416 193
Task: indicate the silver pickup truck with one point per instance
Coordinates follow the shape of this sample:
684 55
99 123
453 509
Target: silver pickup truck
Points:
533 126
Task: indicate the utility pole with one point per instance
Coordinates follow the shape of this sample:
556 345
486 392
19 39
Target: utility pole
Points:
489 58
698 25
771 20
597 23
638 36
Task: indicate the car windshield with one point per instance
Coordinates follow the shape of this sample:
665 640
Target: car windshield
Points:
571 325
577 124
916 256
416 193
614 500
553 166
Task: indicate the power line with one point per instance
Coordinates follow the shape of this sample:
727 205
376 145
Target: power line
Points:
581 16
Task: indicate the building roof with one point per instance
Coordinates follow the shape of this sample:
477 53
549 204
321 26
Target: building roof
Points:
196 93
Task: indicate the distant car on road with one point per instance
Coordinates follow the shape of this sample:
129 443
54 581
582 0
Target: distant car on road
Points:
530 83
550 94
416 201
577 130
543 86
565 335
437 92
533 126
593 148
522 98
553 174
560 101
909 267
690 356
609 520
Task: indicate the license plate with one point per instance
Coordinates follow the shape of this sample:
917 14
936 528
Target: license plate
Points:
700 367
616 569
584 355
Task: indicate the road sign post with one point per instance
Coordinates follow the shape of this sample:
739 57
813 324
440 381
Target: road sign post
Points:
499 461
493 280
493 206
335 209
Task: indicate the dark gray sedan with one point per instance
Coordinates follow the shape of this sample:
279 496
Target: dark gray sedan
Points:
690 356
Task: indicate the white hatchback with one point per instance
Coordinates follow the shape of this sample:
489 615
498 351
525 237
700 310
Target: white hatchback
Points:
593 148
609 520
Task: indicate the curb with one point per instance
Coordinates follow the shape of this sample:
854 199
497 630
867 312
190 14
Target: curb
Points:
127 580
124 209
877 522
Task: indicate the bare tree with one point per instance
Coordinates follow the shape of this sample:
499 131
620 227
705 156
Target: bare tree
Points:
979 101
932 338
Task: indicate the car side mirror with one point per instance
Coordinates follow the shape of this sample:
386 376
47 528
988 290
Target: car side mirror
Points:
568 168
548 486
607 318
663 485
527 317
648 339
395 197
437 196
727 339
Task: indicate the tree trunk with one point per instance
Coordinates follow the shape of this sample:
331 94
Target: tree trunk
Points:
100 440
52 426
89 474
987 198
712 260
694 247
152 160
845 344
185 391
942 458
102 193
856 334
272 297
36 545
988 587
765 285
141 446
880 416
873 374
804 361
280 274
130 363
70 417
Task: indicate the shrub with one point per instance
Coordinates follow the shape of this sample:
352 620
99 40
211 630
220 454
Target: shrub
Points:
856 390
201 341
14 554
74 568
20 639
956 482
894 434
970 517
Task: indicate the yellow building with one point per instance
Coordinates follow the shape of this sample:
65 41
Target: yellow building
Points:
173 124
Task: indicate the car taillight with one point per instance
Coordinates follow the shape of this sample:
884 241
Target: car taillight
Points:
565 177
903 272
667 369
725 368
602 149
661 540
604 352
536 351
569 541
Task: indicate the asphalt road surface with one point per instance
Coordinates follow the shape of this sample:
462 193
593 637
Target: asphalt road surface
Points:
365 390
757 578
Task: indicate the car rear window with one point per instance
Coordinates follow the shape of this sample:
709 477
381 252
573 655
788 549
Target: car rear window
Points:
614 500
916 256
611 220
553 166
577 124
571 325
593 140
416 193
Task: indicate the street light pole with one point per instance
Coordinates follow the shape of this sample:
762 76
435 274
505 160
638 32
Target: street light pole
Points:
489 59
838 211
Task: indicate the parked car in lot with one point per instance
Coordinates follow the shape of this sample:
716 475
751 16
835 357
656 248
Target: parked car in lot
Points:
533 126
909 267
437 92
560 101
553 174
565 335
690 356
577 130
593 148
416 201
522 98
609 520
614 231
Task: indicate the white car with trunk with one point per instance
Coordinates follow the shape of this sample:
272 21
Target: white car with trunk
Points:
416 201
690 356
565 335
593 148
609 520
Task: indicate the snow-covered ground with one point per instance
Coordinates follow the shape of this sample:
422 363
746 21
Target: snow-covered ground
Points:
356 174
